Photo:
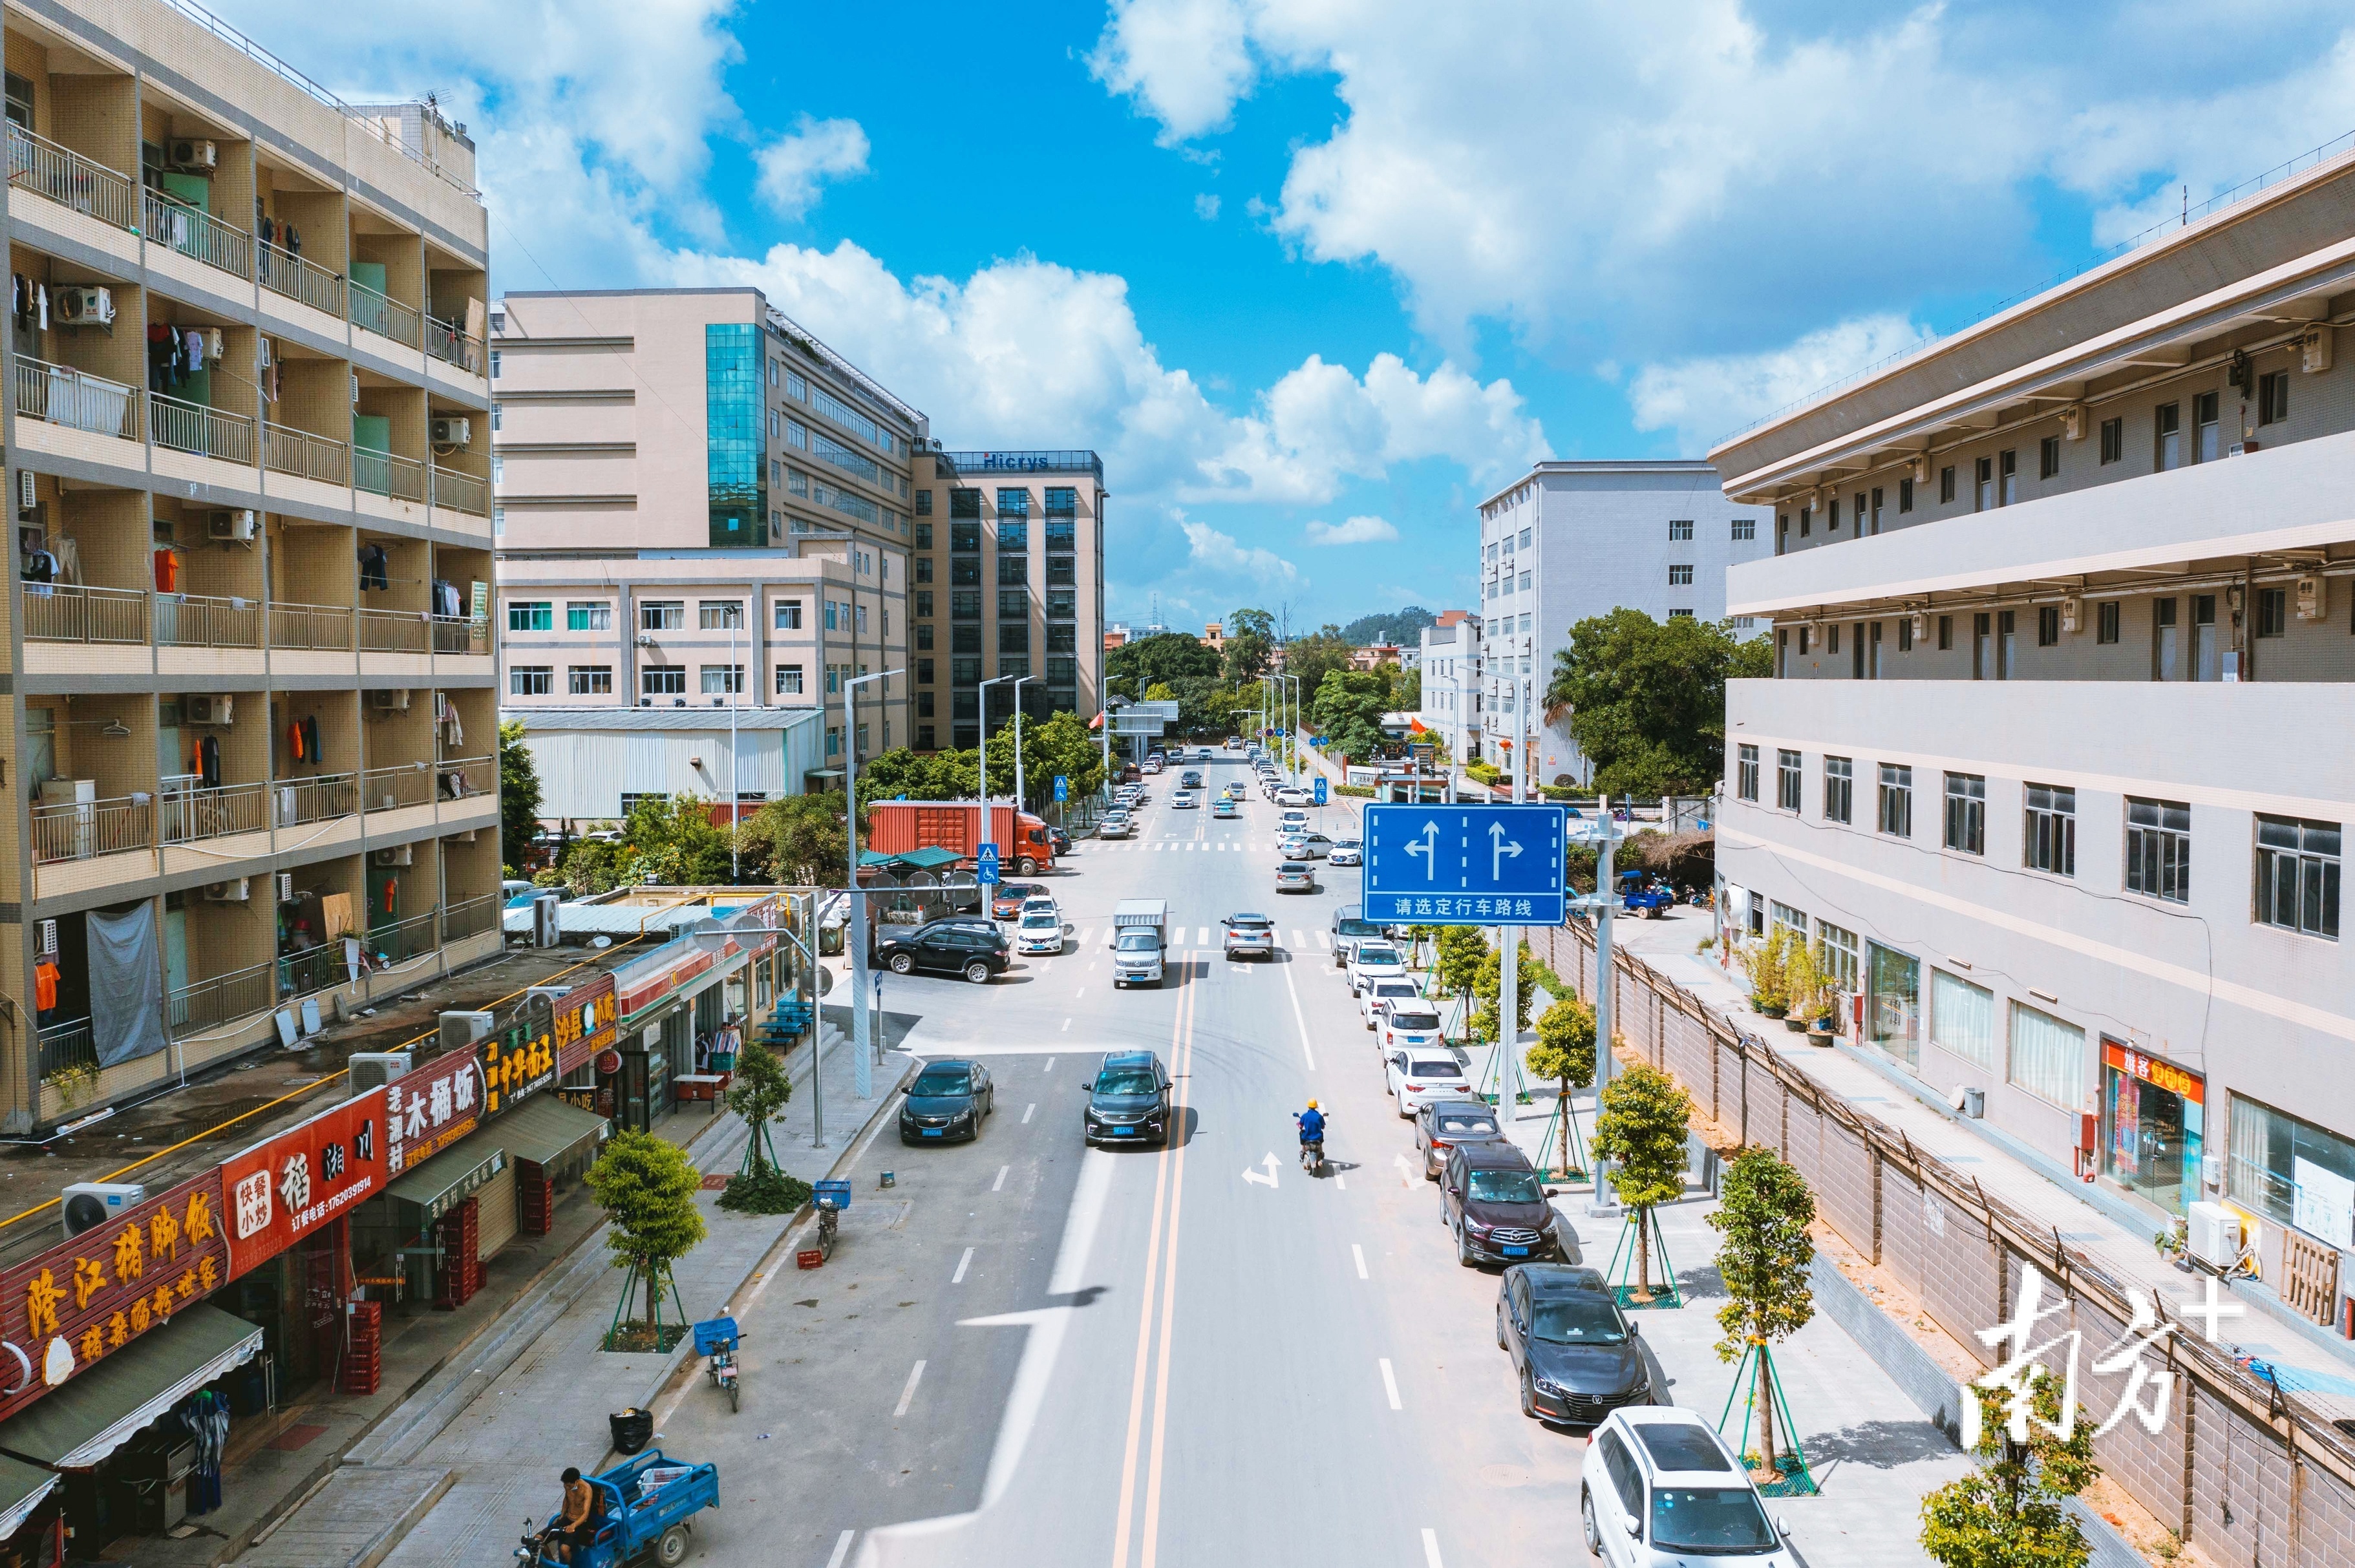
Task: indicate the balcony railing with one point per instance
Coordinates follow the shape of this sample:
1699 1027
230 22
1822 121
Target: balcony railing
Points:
193 814
320 799
315 969
466 778
392 631
196 234
285 450
69 1044
209 433
307 282
461 637
66 177
382 474
403 940
67 612
199 621
453 346
63 395
324 628
207 1004
382 315
391 789
461 492
470 917
83 830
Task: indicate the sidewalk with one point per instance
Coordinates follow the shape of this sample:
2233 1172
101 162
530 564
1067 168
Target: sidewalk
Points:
446 1474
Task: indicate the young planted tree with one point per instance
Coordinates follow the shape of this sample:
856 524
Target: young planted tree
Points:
1764 1216
1565 1053
2008 1513
761 1090
1640 1130
647 1190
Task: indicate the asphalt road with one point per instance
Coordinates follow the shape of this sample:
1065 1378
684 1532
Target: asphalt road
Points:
1026 1353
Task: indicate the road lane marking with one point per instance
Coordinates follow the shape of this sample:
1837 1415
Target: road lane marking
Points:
1067 1026
1356 1251
1390 1382
842 1548
1202 936
1325 940
917 1374
1051 1061
1300 938
1340 1182
1298 1017
1027 1110
1431 1550
1082 990
999 1185
965 1263
1125 1521
1152 1529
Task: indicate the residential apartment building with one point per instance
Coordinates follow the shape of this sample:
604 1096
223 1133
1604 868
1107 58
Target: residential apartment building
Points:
2056 768
1571 540
1007 592
1449 652
705 531
249 695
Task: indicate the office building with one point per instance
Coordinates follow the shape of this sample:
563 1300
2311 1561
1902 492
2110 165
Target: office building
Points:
2055 766
251 680
1449 652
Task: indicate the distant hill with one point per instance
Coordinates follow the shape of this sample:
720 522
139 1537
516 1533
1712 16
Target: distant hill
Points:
1401 626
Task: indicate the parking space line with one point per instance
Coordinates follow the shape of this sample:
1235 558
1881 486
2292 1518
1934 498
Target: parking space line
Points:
1389 1383
999 1185
908 1394
965 1263
1026 1111
1357 1252
842 1549
1431 1550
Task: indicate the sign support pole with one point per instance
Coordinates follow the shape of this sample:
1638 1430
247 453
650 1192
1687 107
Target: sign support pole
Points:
1606 1202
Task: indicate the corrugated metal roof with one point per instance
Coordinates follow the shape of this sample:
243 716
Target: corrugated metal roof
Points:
706 718
584 918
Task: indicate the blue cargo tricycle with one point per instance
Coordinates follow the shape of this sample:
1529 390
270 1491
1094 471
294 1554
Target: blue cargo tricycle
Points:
644 1506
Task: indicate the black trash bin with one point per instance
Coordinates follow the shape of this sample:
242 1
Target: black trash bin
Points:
633 1429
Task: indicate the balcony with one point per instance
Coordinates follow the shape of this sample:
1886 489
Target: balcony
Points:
401 941
87 829
58 394
192 813
453 346
67 1045
321 799
393 788
470 917
393 632
382 474
461 492
206 433
65 613
384 316
72 181
207 1004
459 636
304 282
302 455
202 621
320 628
196 234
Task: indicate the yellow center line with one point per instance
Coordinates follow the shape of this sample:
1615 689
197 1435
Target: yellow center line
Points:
1123 1527
1168 1298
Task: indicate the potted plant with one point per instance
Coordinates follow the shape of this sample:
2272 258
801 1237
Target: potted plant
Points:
1768 964
1804 985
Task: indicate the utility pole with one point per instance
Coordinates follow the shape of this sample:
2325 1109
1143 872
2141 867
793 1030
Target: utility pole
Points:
1020 794
1605 1201
862 1025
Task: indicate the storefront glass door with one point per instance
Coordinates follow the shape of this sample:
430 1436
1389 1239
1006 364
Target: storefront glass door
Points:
1894 1017
2152 1113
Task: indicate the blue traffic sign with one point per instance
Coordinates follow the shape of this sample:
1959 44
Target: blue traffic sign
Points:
987 860
1320 790
1062 787
1465 865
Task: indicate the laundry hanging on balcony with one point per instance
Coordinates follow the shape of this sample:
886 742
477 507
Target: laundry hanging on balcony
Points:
372 568
177 356
126 987
29 303
446 603
302 740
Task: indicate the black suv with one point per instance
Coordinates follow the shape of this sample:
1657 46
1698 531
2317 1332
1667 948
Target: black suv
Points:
1129 1099
1490 1197
975 949
1577 1354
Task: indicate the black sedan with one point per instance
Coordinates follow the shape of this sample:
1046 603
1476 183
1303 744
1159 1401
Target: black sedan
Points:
1576 1353
947 1100
973 948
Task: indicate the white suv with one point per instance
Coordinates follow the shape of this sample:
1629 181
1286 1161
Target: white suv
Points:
1659 1488
1374 960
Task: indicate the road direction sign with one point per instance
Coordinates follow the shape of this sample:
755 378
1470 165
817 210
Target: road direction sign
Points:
1465 865
1062 787
987 872
1320 790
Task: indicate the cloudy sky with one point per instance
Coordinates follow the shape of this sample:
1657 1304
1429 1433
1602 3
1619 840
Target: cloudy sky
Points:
1314 276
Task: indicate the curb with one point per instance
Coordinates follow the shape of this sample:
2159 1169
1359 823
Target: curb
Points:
394 1533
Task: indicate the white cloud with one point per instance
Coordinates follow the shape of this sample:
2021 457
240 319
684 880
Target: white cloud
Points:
792 167
1205 206
1357 530
1707 397
1221 555
1188 60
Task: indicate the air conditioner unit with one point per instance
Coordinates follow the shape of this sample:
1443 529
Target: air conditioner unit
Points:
1921 626
84 305
399 855
236 890
232 528
374 1068
28 493
2073 612
48 933
214 712
86 1205
2314 348
454 432
389 700
2214 1235
193 154
286 887
2073 421
2311 597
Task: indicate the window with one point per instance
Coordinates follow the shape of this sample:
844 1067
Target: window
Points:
1832 517
589 680
2047 1057
963 672
789 680
662 680
531 680
2273 612
2273 397
722 679
1745 528
2297 876
2047 838
2113 440
1013 502
924 569
923 602
1962 1018
588 615
1013 533
1831 638
924 531
1679 528
1806 520
1983 480
1012 570
1835 952
2203 420
720 615
2048 625
1892 1008
1745 776
1017 668
2047 458
1904 633
1839 786
1680 576
1014 639
1063 605
1673 615
1966 813
2268 1147
1945 634
1786 780
1904 495
2105 622
1947 485
862 617
965 503
1897 800
495 416
2158 849
924 633
1788 917
2166 436
832 616
661 614
965 639
1877 508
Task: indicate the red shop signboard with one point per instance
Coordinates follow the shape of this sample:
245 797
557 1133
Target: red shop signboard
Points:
85 1298
284 1188
585 1017
430 1109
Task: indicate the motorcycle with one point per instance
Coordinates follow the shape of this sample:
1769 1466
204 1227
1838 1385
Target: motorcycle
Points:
1312 1153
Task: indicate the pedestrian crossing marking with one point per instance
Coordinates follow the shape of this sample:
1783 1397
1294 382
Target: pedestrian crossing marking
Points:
1298 939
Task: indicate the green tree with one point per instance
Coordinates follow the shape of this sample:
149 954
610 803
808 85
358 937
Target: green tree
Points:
1132 669
1250 647
519 795
1406 691
1461 952
1764 1216
1400 626
1565 1053
1347 713
2009 1513
803 840
594 866
647 1188
1312 659
1640 1129
1061 745
1646 699
671 841
761 1089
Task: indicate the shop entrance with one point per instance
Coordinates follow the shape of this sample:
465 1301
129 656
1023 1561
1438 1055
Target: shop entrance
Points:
2153 1112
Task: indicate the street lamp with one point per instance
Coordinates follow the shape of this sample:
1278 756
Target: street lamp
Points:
983 837
862 1030
1020 794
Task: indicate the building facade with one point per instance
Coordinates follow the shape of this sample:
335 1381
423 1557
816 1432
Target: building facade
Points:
2065 607
1449 653
705 528
250 693
1571 541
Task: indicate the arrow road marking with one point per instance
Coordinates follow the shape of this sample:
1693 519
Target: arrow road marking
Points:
1404 1170
1499 847
1428 848
1251 1175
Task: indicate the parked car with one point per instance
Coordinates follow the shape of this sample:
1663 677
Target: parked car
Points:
1489 1196
1657 1484
1348 930
948 1100
1372 961
1249 935
1306 846
1295 877
1415 1076
1347 852
1443 1125
1378 996
1129 1099
1575 1352
968 947
1293 794
1040 932
1405 1025
1117 826
1008 902
1225 808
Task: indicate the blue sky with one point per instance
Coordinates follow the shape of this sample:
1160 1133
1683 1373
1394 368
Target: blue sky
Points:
1315 275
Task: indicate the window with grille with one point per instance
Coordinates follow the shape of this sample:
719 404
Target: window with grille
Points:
964 671
1063 569
1786 780
965 503
1012 503
1013 568
589 680
531 616
2297 876
1013 533
531 680
1897 800
1745 776
2158 849
1063 605
1014 639
965 639
1679 528
662 680
965 539
1062 639
1966 813
2048 830
1013 604
964 605
1839 786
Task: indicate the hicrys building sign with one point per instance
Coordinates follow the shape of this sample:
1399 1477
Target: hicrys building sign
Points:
285 1187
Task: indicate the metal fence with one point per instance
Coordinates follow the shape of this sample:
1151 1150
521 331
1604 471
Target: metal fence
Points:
454 634
463 778
461 492
453 346
319 799
59 394
402 940
393 632
382 474
300 973
68 612
201 621
382 315
189 815
224 999
325 628
472 917
65 177
307 282
85 829
196 234
285 450
209 433
69 1044
389 789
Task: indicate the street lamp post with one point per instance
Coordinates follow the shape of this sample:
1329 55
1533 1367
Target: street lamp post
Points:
862 1028
1020 794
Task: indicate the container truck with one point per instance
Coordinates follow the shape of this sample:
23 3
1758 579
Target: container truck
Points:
1025 847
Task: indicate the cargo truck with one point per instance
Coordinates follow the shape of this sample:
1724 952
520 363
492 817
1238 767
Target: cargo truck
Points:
1025 847
1139 932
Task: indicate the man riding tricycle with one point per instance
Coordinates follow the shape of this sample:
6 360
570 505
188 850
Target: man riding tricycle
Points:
637 1512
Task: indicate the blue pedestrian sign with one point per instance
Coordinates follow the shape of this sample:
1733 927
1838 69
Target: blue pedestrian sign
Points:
987 858
1320 790
1465 865
1062 787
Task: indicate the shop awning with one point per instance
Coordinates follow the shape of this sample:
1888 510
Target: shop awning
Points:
450 1177
546 1131
22 1487
81 1421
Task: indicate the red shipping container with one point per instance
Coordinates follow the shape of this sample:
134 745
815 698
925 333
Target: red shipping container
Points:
896 826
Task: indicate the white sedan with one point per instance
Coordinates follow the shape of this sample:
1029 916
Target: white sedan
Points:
1371 1000
1041 931
1305 846
1416 1077
1347 852
1374 960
